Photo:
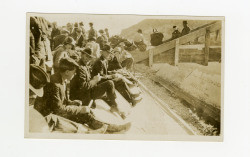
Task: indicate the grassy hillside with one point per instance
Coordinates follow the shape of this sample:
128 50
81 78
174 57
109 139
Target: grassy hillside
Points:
162 25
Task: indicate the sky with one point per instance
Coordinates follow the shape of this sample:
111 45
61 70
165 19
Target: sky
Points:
115 23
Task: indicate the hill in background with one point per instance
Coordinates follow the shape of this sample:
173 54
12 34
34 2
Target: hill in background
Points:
162 25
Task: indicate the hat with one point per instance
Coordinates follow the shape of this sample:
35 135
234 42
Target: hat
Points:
79 30
174 26
106 48
69 40
81 24
76 24
185 22
64 31
139 31
101 31
117 49
92 39
38 79
67 63
88 52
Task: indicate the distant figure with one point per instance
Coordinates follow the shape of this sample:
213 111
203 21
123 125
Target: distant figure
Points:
107 32
80 41
55 30
176 33
69 27
81 25
140 41
186 29
92 32
156 38
102 39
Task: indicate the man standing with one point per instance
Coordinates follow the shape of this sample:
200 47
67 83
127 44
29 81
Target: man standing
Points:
92 32
186 29
107 32
80 41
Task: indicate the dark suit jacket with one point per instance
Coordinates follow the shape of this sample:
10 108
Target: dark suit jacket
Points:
54 100
80 88
80 41
114 64
100 66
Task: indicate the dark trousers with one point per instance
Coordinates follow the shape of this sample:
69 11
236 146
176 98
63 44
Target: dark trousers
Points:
123 88
128 62
107 87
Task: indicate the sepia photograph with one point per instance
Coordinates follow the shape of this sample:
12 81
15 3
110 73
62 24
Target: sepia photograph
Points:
124 77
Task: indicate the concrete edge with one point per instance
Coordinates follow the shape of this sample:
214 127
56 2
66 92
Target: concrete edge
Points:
165 107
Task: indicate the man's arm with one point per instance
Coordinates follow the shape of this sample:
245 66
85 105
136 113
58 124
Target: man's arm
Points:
58 106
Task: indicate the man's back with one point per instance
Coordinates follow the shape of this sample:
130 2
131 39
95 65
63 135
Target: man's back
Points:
58 40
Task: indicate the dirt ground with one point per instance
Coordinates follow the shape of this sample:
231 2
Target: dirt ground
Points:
179 106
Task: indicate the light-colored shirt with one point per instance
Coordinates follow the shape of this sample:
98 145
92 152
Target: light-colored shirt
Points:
138 37
95 48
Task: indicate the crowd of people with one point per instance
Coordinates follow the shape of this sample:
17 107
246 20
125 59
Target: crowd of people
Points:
70 68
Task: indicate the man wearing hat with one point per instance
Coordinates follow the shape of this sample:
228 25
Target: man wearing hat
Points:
102 39
55 100
185 29
100 67
139 40
59 39
176 33
38 79
92 32
80 40
64 50
85 88
95 47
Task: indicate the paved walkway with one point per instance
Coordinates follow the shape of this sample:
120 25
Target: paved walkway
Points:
147 117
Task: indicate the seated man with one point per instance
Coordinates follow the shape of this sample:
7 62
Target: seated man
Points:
124 57
64 51
100 67
55 101
85 88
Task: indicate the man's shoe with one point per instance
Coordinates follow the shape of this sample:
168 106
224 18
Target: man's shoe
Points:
118 128
101 130
136 100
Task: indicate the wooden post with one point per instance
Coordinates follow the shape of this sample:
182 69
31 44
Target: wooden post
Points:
176 54
151 58
207 44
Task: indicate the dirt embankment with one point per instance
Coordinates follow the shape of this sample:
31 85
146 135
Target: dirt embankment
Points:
203 82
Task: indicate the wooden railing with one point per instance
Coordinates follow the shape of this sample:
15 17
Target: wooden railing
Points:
178 44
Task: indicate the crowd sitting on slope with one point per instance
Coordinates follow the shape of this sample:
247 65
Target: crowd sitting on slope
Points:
81 68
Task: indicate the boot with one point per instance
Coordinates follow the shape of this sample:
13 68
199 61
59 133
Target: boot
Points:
101 130
136 100
115 109
118 128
